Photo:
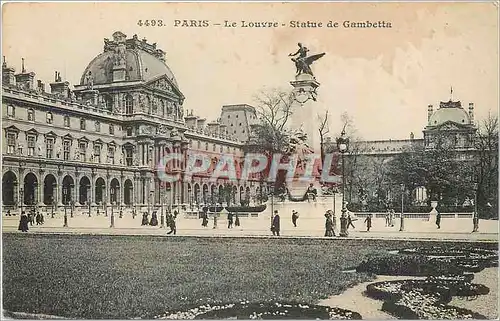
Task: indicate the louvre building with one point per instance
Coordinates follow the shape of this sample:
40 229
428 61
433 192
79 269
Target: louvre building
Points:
99 141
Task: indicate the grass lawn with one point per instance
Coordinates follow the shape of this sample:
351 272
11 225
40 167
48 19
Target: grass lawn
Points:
142 276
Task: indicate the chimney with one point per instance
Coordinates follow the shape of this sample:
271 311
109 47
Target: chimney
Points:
213 128
412 136
222 129
201 123
40 86
191 121
429 112
25 80
471 112
8 77
58 87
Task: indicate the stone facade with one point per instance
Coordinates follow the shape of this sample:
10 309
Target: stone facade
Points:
101 142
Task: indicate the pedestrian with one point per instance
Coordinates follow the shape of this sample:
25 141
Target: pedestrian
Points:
144 219
329 230
438 220
204 216
295 216
215 220
38 219
391 217
275 226
349 221
30 217
41 218
387 219
8 212
368 222
23 222
154 219
98 211
171 224
229 220
237 220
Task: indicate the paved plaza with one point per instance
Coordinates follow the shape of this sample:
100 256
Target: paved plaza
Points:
311 223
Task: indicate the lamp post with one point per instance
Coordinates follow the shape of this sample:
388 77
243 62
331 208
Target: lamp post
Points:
90 208
402 224
65 192
475 217
343 145
21 192
52 209
162 217
112 215
333 196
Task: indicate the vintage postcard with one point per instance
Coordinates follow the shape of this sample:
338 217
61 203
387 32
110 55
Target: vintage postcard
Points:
328 160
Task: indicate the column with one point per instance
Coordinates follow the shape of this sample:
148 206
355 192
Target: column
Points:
38 197
77 190
92 191
122 190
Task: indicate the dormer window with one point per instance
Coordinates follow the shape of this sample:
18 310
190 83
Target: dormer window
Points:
66 121
49 118
111 130
11 111
82 124
31 115
97 126
129 105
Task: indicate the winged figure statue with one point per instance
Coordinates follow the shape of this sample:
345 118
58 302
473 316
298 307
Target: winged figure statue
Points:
303 61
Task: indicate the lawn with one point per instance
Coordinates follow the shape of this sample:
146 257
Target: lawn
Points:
110 277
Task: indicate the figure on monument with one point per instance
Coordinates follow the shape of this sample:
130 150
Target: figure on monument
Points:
90 80
302 61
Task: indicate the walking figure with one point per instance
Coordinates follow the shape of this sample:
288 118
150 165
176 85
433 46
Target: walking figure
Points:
387 219
349 221
438 220
391 217
145 219
329 225
23 222
171 224
275 226
237 220
295 216
230 220
368 222
204 216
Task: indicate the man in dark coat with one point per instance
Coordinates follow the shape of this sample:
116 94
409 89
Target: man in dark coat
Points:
275 227
171 224
229 220
329 226
349 221
23 222
204 215
368 222
438 220
295 216
145 218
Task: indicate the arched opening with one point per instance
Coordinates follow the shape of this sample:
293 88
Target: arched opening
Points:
30 187
189 194
108 102
197 193
205 194
114 190
128 188
100 188
233 194
9 184
49 187
221 194
247 195
213 195
83 198
67 188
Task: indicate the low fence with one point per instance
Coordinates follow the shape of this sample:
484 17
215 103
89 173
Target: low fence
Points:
425 216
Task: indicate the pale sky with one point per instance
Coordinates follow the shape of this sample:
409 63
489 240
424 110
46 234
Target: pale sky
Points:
384 78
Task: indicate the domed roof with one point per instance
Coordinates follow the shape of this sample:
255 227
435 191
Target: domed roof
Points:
449 111
143 62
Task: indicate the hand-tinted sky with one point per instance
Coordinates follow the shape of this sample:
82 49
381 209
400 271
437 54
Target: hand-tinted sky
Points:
384 78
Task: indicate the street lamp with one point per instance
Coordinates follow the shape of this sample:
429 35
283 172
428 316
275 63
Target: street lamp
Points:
402 225
475 217
21 192
112 215
343 145
90 208
65 193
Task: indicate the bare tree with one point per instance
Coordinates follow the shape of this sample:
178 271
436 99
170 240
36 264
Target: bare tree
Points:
324 129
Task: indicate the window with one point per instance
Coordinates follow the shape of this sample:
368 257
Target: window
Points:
190 143
228 116
82 147
49 118
240 124
31 145
236 116
221 148
206 146
214 147
128 157
66 121
11 111
11 143
129 106
82 124
129 131
66 149
199 145
97 126
31 115
111 130
97 153
111 154
49 147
